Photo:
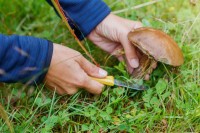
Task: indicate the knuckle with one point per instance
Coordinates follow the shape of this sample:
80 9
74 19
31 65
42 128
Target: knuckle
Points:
79 54
138 24
98 92
75 52
99 89
72 91
93 69
82 81
80 58
61 93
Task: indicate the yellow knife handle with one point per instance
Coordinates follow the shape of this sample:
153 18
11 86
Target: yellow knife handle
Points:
108 80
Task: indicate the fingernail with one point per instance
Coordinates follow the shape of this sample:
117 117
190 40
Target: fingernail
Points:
134 63
102 72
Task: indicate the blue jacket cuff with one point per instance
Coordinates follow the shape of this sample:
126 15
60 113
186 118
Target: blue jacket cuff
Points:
84 15
47 63
89 17
24 59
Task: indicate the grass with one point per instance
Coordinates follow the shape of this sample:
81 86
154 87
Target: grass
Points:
172 104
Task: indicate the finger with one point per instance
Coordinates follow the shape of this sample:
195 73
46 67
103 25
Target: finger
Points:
118 52
137 24
130 53
120 58
70 90
150 70
56 88
91 69
147 77
134 24
129 68
88 83
59 91
62 89
92 86
154 65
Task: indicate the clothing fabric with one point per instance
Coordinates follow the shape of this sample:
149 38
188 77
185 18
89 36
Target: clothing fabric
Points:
26 59
84 15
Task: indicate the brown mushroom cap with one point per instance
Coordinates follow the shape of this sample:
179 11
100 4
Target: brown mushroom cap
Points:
157 44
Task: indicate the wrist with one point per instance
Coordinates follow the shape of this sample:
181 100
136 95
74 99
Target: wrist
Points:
102 27
48 61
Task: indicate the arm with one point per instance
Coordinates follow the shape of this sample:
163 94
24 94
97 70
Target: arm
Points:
84 15
24 58
108 31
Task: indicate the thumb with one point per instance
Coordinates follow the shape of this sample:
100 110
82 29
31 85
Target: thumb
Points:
91 69
130 52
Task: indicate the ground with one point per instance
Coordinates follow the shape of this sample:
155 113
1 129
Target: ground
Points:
172 104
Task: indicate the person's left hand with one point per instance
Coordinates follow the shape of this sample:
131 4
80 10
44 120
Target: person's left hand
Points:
111 36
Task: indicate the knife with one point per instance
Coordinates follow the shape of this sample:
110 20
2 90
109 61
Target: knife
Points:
111 81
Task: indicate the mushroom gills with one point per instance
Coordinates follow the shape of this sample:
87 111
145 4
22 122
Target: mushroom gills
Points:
154 45
145 66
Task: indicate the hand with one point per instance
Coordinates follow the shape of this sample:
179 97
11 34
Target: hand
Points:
69 70
111 36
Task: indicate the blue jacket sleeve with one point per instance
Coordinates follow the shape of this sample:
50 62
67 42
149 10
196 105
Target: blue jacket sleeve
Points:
24 58
84 15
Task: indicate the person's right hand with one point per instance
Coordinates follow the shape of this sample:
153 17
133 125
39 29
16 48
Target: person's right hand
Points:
69 70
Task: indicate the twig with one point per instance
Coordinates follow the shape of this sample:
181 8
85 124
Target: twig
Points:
136 7
65 20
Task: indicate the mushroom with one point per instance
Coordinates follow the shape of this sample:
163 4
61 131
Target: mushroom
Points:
154 45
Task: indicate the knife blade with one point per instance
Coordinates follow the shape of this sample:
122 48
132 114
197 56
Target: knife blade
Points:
111 81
